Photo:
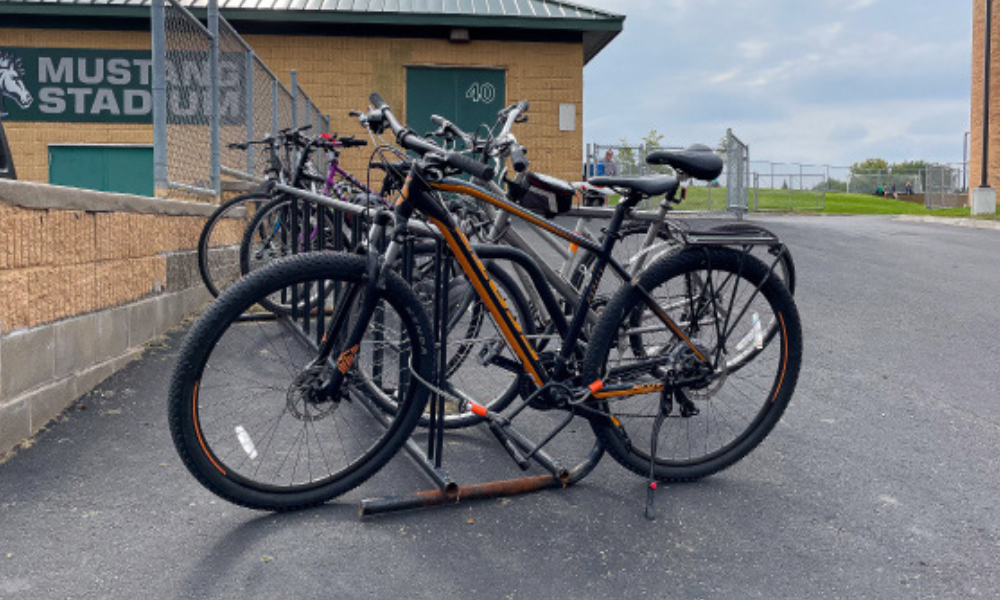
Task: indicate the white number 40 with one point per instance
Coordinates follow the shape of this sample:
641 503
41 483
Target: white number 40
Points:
481 92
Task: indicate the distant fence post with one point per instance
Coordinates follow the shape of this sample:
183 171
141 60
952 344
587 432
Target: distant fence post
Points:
295 98
215 120
159 99
274 107
249 87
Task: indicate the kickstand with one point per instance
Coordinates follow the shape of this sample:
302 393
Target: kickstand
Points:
666 406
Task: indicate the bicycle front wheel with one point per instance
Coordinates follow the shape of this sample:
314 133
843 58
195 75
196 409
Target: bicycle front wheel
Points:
724 302
248 410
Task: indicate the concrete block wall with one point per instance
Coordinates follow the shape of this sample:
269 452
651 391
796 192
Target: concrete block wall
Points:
86 279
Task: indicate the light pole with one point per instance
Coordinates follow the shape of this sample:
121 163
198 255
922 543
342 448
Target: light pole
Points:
984 198
965 161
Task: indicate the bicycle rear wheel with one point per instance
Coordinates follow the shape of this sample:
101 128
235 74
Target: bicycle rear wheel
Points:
286 227
722 300
481 366
218 244
247 408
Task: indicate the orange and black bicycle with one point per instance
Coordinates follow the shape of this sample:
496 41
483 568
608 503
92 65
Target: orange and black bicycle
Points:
688 368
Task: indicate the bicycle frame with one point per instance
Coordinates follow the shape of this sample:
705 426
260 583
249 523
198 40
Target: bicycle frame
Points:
418 195
571 256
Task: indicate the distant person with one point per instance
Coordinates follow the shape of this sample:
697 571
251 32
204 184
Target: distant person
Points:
909 188
608 167
895 195
879 191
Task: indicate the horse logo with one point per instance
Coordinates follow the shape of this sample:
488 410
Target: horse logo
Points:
12 82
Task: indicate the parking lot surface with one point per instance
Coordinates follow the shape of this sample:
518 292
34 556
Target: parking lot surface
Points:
881 481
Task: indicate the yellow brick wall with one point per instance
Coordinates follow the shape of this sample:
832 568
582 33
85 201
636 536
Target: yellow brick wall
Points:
339 74
59 263
29 141
978 72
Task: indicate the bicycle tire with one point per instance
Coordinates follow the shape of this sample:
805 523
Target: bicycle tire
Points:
489 385
709 449
629 249
236 430
267 237
214 280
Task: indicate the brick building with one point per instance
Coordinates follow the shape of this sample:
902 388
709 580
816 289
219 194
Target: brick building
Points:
342 51
978 71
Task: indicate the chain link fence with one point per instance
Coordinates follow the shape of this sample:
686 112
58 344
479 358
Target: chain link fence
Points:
737 174
788 186
727 193
794 186
187 77
211 90
944 187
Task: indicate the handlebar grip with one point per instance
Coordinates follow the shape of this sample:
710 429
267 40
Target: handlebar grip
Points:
438 120
377 101
518 158
470 166
523 106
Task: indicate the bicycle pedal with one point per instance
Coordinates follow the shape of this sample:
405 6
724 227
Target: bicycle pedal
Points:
508 444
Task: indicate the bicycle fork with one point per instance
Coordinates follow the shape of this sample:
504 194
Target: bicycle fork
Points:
363 294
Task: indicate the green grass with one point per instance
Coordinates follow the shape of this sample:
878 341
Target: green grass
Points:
704 198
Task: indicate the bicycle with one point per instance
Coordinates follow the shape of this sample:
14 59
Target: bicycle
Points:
215 256
369 375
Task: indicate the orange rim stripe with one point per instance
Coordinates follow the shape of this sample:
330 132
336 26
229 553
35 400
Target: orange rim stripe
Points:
784 363
197 428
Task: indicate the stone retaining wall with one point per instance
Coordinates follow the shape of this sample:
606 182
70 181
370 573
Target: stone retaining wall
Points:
86 279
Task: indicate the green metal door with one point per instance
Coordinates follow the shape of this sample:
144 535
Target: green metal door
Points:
107 168
466 97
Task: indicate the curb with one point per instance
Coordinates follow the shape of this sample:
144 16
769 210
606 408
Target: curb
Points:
955 222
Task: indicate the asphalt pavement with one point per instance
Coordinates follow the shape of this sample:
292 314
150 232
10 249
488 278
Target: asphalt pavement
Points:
881 481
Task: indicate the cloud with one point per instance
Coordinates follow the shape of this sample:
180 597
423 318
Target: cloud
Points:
723 77
798 81
859 4
752 49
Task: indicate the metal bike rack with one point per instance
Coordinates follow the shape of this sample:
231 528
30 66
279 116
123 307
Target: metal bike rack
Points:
430 458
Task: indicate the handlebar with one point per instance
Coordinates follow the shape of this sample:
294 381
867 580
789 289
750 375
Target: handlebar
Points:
410 140
288 135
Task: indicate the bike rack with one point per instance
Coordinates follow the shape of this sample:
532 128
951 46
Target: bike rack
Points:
309 327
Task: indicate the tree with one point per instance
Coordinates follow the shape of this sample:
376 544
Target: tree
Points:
652 141
914 171
830 185
626 158
870 164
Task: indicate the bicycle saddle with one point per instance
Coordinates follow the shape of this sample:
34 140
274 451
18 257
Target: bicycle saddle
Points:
697 160
649 185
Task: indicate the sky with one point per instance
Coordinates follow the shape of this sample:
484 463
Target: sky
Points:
825 82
